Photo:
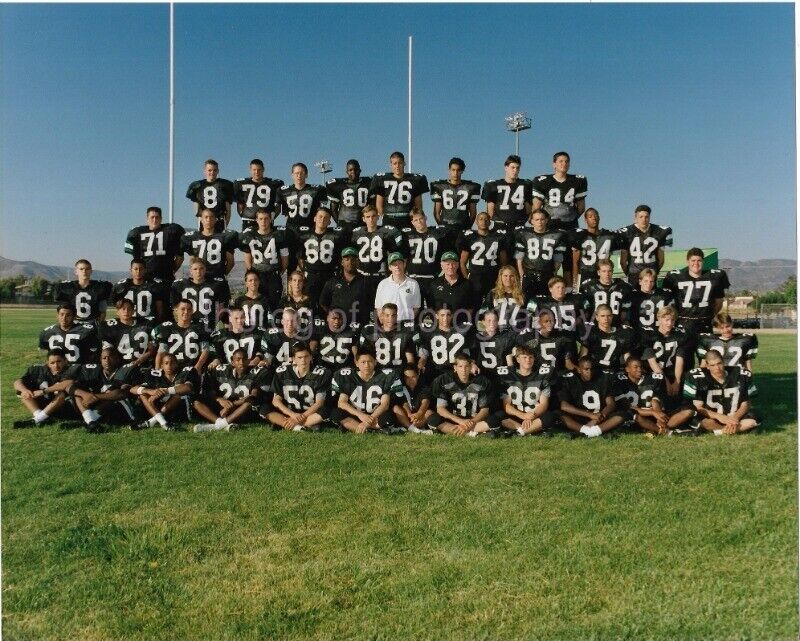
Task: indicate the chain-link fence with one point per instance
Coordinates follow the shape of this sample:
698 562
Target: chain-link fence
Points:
778 316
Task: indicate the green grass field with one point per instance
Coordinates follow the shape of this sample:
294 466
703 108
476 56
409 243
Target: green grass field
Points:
262 535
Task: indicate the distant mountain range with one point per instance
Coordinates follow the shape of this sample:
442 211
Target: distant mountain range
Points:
756 276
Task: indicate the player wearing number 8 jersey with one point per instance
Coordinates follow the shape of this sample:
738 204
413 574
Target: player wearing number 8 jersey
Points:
299 393
255 193
643 245
158 245
89 297
587 401
184 339
560 194
214 193
398 192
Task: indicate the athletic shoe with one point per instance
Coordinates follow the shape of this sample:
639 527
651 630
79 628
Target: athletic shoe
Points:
95 427
138 426
26 422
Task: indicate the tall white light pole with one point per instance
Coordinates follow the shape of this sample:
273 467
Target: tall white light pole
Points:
410 48
518 122
171 110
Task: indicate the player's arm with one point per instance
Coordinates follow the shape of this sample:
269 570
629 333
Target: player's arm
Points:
379 204
718 307
472 211
229 262
463 260
201 361
569 408
576 264
418 202
580 206
536 205
660 258
24 392
437 211
441 410
679 367
146 355
513 412
345 404
623 260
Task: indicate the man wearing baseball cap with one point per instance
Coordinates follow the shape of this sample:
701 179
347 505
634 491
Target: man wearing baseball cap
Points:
348 291
399 289
453 290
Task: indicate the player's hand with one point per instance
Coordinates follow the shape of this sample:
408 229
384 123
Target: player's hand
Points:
156 393
288 423
475 370
213 363
596 417
362 427
461 430
254 362
526 424
27 395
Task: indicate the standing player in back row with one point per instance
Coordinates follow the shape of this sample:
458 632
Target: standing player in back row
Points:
158 245
212 192
455 200
508 199
347 197
299 201
254 193
560 194
643 245
398 192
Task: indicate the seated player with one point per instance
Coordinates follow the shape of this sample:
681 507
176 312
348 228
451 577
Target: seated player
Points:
336 341
482 252
551 347
735 349
441 342
229 393
89 297
462 401
607 290
395 344
587 401
539 251
493 346
608 346
212 192
645 396
78 340
147 296
299 393
128 334
208 295
100 392
721 396
526 395
507 299
159 245
364 395
214 248
664 350
253 302
42 389
569 310
186 340
281 340
647 300
167 393
225 341
413 413
590 245
266 254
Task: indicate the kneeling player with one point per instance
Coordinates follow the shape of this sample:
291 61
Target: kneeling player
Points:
721 396
646 396
42 389
413 413
526 395
230 393
462 401
299 393
364 395
166 392
587 403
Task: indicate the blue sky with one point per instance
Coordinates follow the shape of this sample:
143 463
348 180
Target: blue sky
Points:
689 108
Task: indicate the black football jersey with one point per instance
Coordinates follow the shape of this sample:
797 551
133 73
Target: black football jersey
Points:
391 347
92 378
335 349
539 251
398 196
588 395
157 249
618 296
40 377
350 198
593 248
266 249
130 340
305 314
644 307
462 399
374 247
224 343
694 297
425 249
211 196
414 397
211 249
737 350
186 343
724 397
254 196
628 393
203 296
664 349
256 310
484 251
223 381
143 296
510 314
157 379
320 252
642 246
89 301
553 349
509 200
80 342
525 392
490 352
366 395
301 392
279 346
569 313
455 201
441 346
608 349
300 205
559 198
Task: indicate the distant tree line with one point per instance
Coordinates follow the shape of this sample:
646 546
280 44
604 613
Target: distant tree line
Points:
786 294
38 291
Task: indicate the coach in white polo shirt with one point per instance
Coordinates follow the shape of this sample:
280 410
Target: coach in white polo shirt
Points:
399 289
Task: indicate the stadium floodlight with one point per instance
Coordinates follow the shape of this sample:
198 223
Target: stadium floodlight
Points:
517 122
324 168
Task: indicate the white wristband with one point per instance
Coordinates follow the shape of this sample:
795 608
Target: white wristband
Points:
171 390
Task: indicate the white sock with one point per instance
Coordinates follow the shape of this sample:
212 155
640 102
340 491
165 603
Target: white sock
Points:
297 428
595 431
152 421
472 433
88 416
520 431
719 432
586 429
159 418
221 421
40 416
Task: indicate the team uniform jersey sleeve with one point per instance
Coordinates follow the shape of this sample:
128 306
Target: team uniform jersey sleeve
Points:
694 386
132 242
489 191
